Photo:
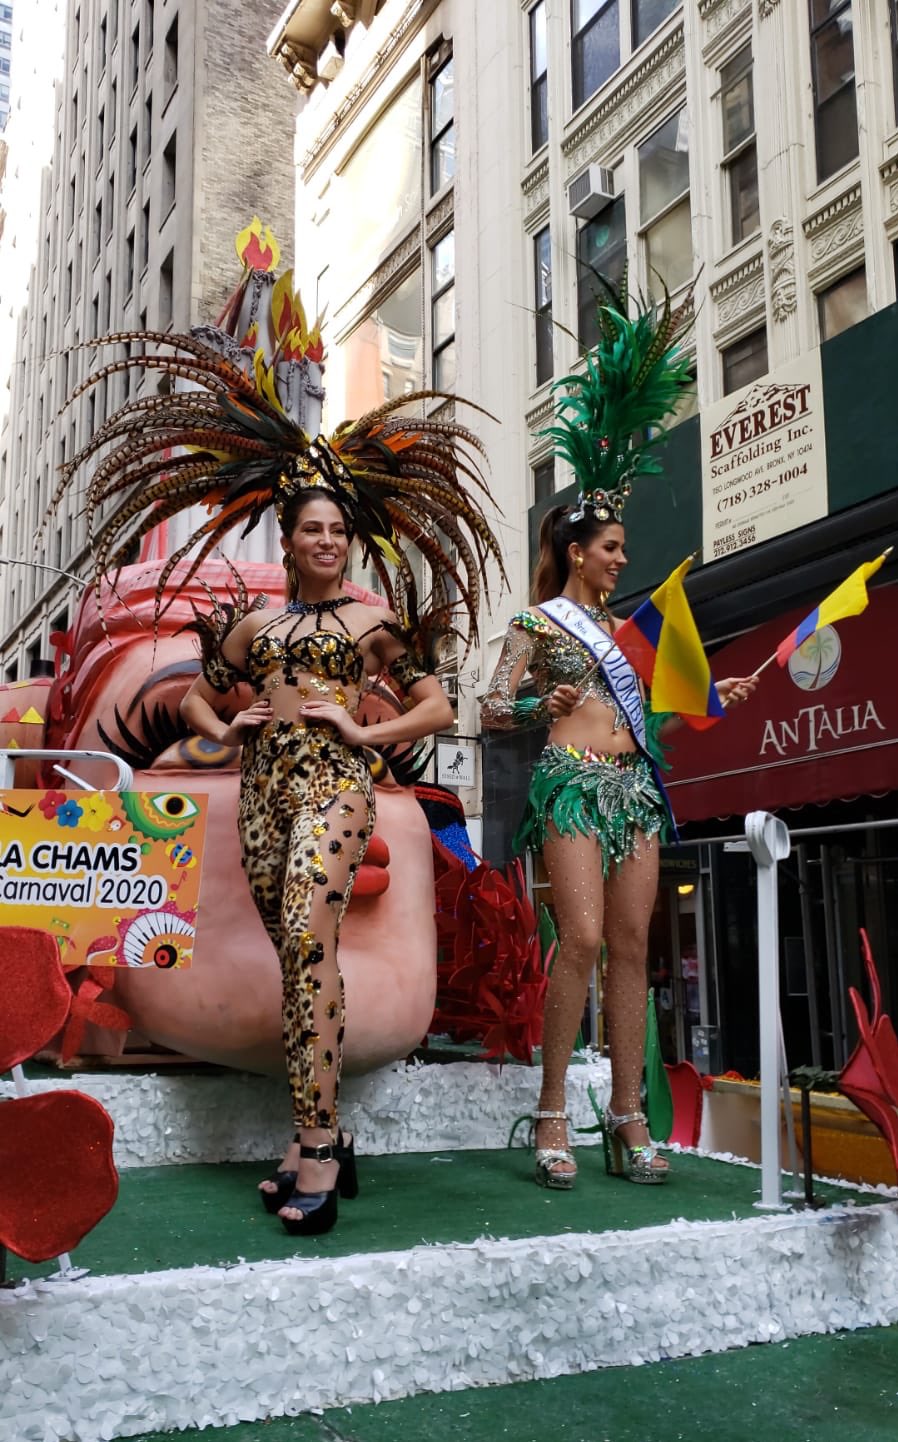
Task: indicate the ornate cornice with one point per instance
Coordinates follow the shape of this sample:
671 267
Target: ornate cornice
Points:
723 19
627 108
535 189
739 294
440 216
370 77
766 8
541 414
835 235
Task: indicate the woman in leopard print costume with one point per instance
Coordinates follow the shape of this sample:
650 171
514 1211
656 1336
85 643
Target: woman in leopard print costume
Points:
226 451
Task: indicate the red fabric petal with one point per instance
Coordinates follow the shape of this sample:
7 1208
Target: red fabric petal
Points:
57 1178
36 995
86 1007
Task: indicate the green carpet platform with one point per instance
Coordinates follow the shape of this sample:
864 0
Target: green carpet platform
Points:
451 1270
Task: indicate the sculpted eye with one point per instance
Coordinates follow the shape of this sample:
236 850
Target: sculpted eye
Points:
174 806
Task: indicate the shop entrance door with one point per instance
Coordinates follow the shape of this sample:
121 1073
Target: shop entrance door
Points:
676 962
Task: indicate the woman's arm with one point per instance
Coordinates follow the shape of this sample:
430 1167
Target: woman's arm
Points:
201 708
500 710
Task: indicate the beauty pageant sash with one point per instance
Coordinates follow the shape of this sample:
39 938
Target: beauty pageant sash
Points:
618 672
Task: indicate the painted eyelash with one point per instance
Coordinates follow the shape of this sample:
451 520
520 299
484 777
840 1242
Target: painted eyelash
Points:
160 730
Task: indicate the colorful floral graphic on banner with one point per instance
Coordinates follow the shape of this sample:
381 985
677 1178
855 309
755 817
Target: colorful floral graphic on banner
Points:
113 876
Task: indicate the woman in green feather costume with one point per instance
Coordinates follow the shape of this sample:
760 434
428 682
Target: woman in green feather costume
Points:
596 807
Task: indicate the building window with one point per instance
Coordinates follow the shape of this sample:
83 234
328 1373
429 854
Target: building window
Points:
544 480
101 134
843 304
740 154
170 61
145 237
129 263
102 41
169 174
595 45
147 128
132 160
542 266
442 312
664 209
166 290
135 56
110 204
744 361
98 228
107 300
602 249
68 287
647 15
149 10
539 77
113 107
442 127
832 63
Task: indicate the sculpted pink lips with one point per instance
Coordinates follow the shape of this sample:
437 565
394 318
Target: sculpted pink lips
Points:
373 877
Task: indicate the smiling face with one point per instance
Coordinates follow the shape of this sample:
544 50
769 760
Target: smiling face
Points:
603 556
318 542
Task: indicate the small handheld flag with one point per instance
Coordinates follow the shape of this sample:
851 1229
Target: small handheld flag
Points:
849 599
661 642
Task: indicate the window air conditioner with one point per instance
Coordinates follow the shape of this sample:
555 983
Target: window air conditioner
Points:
590 192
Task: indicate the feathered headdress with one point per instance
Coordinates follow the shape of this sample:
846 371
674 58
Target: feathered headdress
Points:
609 416
228 444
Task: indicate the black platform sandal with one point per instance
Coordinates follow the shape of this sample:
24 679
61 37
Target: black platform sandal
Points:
285 1181
319 1209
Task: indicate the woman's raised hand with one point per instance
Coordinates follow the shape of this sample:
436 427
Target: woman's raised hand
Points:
255 715
563 700
736 689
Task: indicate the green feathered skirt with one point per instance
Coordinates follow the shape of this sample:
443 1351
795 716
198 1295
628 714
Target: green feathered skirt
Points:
613 798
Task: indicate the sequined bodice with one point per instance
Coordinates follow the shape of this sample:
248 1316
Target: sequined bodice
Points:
328 654
553 658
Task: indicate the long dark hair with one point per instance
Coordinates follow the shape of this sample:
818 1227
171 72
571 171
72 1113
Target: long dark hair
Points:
557 531
288 518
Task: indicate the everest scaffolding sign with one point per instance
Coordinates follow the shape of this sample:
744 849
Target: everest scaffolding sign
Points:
764 459
113 876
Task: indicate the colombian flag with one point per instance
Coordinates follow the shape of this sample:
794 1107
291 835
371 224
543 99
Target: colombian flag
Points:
849 599
661 642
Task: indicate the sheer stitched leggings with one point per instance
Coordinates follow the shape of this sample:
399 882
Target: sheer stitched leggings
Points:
620 909
306 815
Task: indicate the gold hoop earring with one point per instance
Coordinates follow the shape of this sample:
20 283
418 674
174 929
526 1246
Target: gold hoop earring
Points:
289 565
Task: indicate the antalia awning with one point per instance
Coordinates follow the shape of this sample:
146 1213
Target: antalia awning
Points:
822 728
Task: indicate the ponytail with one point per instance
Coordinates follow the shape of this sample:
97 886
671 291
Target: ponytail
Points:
557 532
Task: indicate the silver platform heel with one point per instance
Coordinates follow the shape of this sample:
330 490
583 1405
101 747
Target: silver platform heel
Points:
549 1157
637 1164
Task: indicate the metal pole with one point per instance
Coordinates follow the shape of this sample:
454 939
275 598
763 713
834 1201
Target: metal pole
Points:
768 841
807 930
832 969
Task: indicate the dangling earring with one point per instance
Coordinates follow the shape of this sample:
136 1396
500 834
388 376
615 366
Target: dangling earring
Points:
292 577
578 567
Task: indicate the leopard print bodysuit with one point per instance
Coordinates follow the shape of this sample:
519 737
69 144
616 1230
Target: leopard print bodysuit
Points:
305 817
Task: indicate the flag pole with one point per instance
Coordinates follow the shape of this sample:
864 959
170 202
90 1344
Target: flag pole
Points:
763 667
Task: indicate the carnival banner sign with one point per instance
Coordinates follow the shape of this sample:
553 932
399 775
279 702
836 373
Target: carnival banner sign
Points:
113 876
764 459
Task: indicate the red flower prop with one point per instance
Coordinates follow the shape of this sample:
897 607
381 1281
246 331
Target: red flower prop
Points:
57 1179
86 1007
869 1078
36 996
491 977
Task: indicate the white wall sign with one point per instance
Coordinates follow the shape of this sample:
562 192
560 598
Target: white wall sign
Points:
764 459
456 763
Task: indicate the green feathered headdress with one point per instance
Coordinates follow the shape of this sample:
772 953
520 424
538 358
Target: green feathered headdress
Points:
610 416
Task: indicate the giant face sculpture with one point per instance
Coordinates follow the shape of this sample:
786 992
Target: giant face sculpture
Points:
121 691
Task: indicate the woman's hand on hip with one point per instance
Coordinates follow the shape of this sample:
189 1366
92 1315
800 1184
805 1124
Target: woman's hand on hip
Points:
330 714
563 701
249 720
736 689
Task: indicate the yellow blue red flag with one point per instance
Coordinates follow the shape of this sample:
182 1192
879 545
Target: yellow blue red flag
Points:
662 644
849 599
